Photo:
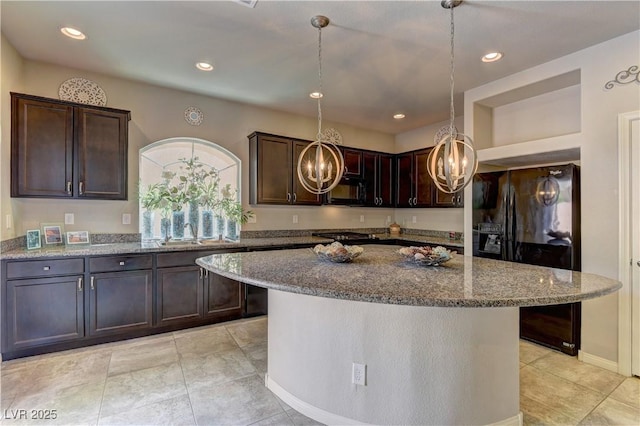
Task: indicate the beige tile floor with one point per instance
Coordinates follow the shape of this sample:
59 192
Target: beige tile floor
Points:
215 376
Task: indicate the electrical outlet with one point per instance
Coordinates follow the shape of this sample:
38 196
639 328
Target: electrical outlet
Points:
359 374
126 218
252 219
413 219
361 218
295 218
9 221
69 219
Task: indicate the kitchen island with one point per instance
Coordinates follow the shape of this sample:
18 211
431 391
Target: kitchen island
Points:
440 343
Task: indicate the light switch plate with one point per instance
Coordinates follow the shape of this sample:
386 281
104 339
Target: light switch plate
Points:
295 218
126 218
69 219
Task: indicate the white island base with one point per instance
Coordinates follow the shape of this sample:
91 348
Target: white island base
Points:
425 365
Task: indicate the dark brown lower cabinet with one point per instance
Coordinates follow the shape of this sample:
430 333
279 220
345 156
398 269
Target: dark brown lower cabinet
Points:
180 295
44 311
223 296
120 302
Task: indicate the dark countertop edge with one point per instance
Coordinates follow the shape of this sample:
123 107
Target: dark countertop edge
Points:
426 302
246 243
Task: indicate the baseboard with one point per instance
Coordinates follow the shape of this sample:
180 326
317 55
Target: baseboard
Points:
307 409
328 418
598 361
512 421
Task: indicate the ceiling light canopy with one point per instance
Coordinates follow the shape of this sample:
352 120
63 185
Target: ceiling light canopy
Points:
399 116
73 33
204 66
453 161
492 57
315 95
320 165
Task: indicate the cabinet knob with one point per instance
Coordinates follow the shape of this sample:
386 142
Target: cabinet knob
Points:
69 188
294 197
92 286
79 284
415 200
46 268
288 197
81 188
122 263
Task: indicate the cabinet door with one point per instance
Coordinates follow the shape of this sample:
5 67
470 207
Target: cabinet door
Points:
384 178
223 296
44 311
42 148
352 162
404 180
179 294
369 172
442 199
301 195
423 182
102 154
272 181
120 301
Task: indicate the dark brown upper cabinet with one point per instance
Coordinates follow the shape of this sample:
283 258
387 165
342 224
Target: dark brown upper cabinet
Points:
378 177
66 150
352 162
413 184
272 173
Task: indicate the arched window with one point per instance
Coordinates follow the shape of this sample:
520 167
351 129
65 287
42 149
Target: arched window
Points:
189 188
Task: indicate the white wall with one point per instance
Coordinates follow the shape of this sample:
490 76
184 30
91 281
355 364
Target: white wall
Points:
597 140
157 113
11 79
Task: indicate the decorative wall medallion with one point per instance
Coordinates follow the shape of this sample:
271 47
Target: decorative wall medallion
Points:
625 77
444 131
82 91
332 135
193 116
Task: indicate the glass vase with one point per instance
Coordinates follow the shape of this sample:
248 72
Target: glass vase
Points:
178 224
232 230
165 227
147 224
207 224
220 225
194 217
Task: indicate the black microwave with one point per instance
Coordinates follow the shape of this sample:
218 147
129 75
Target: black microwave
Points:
349 192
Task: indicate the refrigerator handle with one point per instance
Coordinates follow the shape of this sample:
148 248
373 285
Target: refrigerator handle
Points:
505 234
512 227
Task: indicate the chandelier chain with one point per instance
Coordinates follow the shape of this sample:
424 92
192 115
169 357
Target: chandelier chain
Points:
451 79
321 94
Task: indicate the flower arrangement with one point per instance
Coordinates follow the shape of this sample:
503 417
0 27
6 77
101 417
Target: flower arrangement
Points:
194 184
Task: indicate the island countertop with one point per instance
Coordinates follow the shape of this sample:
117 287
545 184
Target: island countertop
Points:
381 275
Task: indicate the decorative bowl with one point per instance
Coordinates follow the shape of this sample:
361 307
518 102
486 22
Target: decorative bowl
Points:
336 252
427 256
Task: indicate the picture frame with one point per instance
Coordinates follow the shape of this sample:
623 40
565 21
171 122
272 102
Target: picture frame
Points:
33 239
53 233
77 237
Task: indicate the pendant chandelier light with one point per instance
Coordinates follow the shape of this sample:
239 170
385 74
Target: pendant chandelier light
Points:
320 165
453 161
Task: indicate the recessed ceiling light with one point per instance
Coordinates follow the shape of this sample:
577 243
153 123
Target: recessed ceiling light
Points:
315 95
73 33
398 116
204 66
492 57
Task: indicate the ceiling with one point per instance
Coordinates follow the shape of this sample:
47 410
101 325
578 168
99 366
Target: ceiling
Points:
379 57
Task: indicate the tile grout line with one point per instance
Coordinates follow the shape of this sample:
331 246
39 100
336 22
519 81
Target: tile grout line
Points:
184 380
104 388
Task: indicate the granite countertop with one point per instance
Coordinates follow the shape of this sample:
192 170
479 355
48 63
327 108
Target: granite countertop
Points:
154 247
380 275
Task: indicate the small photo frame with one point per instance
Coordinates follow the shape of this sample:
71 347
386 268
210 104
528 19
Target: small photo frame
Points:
33 239
77 237
53 233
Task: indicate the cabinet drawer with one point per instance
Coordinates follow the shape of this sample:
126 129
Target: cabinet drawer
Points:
45 268
120 263
188 258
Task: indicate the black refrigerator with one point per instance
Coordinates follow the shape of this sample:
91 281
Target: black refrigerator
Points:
533 216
